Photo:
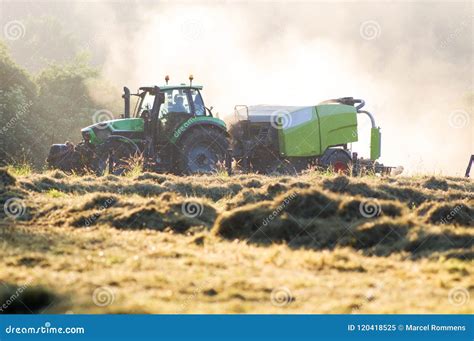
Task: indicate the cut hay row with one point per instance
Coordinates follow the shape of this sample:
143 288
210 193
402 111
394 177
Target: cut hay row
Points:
163 243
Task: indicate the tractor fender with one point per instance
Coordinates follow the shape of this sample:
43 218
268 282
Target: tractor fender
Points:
117 138
189 125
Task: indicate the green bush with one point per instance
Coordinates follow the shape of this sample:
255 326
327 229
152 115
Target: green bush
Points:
50 107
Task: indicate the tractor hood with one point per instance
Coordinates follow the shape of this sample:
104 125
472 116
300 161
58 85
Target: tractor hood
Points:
99 132
119 124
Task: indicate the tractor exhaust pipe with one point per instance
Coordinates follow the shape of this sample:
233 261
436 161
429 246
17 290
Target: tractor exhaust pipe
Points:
126 99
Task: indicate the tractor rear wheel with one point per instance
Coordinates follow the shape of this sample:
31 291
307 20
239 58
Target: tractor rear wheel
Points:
203 150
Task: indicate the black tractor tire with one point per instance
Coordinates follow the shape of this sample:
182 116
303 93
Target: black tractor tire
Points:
116 155
338 160
202 151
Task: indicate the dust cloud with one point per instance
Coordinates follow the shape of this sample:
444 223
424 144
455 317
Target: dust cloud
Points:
410 61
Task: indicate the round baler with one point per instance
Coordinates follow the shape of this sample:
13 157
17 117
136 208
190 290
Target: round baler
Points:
289 139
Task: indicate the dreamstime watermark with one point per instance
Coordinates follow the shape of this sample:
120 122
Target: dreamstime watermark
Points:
192 209
370 30
453 35
191 297
451 214
14 208
281 296
370 208
9 301
46 329
281 119
14 30
103 296
459 119
14 120
185 126
279 209
102 116
458 296
90 220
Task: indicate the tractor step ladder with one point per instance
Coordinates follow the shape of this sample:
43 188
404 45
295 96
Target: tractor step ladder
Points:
263 134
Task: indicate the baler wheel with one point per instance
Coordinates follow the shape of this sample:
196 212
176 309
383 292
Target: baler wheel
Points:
339 161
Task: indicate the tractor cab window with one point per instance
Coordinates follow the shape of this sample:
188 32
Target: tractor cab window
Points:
146 104
176 101
199 108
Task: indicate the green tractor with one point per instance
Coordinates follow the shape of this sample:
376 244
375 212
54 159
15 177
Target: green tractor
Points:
170 129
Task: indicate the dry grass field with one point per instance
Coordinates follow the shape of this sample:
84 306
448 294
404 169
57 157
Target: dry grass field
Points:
316 243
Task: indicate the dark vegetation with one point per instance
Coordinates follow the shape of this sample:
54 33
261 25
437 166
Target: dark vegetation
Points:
51 94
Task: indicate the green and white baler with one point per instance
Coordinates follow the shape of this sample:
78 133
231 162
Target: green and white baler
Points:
270 139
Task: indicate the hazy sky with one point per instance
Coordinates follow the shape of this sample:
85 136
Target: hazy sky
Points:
411 61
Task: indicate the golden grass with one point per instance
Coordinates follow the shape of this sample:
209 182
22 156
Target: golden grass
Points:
154 243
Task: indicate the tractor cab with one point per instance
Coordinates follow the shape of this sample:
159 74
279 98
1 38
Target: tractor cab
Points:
176 104
181 99
180 103
176 99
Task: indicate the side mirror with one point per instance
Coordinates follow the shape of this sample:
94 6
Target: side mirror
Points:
209 110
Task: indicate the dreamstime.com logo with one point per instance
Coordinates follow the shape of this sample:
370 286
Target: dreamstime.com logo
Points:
14 208
14 30
101 116
192 209
459 119
23 109
281 296
191 297
458 296
185 126
280 119
279 209
103 296
93 217
457 32
9 301
370 208
370 30
447 219
46 329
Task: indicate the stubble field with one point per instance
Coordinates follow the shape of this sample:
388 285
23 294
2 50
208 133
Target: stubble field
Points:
316 243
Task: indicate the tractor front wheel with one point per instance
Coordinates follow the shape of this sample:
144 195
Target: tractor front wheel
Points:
116 156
